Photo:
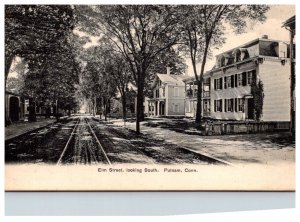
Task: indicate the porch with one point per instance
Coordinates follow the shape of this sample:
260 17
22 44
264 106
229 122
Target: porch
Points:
157 107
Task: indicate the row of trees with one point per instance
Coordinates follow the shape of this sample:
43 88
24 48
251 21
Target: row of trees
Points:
136 41
42 35
142 34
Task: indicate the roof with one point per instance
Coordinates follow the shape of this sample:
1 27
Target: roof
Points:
172 79
290 22
248 44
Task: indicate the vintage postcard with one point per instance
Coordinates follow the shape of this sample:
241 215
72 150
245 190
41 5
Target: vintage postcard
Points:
150 97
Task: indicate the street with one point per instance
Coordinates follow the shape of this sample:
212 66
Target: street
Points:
88 140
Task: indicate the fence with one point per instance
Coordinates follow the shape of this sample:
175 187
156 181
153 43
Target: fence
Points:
220 128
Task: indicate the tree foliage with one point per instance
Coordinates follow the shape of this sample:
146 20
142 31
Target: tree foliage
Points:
204 29
140 33
33 30
257 91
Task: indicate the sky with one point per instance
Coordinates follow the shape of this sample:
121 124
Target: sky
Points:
271 27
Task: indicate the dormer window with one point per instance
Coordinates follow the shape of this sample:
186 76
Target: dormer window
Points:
237 55
244 54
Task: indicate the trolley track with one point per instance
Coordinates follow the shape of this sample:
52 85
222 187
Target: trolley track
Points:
83 146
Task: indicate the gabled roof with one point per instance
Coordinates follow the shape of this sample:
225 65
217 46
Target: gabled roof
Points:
172 79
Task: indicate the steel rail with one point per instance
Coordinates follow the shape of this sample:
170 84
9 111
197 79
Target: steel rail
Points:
101 147
67 144
90 149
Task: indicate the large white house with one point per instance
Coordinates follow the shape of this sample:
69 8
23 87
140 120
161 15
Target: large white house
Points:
237 71
167 95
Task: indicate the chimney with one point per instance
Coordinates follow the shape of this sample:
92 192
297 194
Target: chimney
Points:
264 37
168 70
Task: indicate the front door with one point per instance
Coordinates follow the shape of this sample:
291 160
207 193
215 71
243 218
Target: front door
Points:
162 108
14 108
250 112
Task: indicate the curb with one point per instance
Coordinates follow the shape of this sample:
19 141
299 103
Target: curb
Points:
28 132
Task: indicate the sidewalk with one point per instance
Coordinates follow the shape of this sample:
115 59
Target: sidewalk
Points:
237 149
21 127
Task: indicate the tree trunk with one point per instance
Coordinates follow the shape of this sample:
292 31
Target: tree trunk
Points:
105 109
199 93
199 102
139 108
32 114
124 106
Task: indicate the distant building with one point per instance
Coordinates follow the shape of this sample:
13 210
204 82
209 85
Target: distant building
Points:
167 95
14 107
290 25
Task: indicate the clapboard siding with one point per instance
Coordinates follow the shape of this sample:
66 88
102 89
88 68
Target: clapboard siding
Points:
275 78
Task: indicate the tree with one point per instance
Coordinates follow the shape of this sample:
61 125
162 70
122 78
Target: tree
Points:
31 30
98 84
52 79
140 32
257 91
204 27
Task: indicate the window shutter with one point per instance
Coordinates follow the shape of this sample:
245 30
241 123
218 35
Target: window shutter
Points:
215 84
225 108
225 82
236 105
232 81
221 105
221 83
244 78
235 80
215 105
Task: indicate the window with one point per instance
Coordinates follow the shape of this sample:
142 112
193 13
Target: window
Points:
157 93
241 104
218 83
227 82
229 104
251 77
176 91
239 79
218 105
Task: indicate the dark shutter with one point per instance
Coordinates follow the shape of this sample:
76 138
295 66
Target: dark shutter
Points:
215 105
235 80
221 105
232 81
215 84
236 105
221 83
244 78
225 107
225 82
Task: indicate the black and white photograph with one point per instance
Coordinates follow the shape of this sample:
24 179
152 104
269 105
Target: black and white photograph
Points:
149 97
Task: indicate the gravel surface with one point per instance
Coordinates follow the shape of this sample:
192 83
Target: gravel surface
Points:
237 149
